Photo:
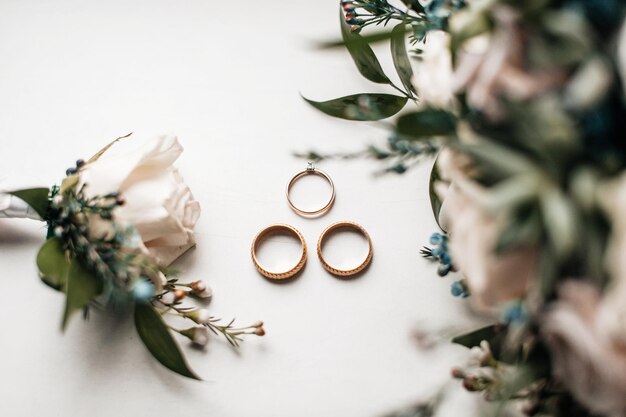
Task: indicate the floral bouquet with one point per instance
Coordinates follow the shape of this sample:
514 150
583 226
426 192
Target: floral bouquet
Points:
115 225
523 105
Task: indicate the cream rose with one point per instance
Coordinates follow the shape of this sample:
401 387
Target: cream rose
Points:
433 77
586 330
490 66
612 197
493 279
588 358
157 202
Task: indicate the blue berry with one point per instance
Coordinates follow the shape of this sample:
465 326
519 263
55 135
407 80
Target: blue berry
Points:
514 313
143 290
443 270
436 238
438 252
458 289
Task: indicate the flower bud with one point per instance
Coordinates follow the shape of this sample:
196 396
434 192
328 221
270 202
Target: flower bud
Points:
199 336
167 298
457 373
257 324
200 316
200 289
470 383
179 295
259 331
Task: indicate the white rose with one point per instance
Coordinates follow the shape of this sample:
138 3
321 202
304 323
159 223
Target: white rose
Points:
493 278
433 76
156 200
587 358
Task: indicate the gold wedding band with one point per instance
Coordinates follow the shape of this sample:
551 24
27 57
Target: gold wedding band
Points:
331 229
311 170
259 238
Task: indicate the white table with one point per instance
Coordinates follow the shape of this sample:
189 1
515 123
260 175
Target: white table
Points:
225 77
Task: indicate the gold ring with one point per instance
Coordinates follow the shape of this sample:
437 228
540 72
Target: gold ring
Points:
340 272
311 170
278 275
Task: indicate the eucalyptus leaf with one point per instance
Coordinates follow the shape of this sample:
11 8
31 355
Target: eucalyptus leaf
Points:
361 107
362 54
497 160
82 287
53 264
37 198
155 334
69 183
561 222
524 229
369 39
474 337
494 334
106 148
435 201
401 58
426 123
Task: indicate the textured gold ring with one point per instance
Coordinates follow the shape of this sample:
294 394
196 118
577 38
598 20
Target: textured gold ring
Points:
259 238
331 229
311 170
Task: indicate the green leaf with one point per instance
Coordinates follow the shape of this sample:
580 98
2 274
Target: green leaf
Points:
474 338
497 161
362 55
53 264
495 334
369 39
401 58
155 334
561 222
523 229
435 201
106 148
361 107
37 198
82 287
426 123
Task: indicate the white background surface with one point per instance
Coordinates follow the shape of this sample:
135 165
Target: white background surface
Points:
225 77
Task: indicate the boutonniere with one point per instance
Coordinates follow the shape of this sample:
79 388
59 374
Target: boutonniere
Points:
115 225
